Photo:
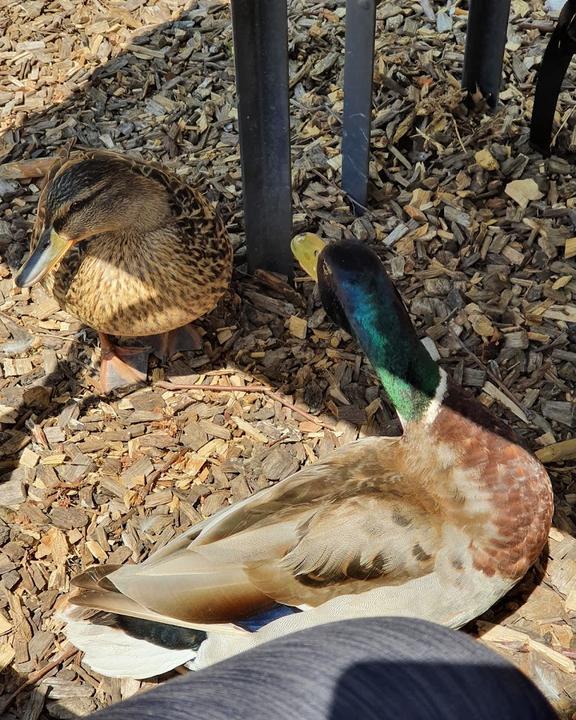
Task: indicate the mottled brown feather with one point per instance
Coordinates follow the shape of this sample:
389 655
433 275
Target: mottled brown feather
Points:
521 498
133 283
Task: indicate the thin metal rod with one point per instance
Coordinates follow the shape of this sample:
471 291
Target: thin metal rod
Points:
358 69
261 54
485 43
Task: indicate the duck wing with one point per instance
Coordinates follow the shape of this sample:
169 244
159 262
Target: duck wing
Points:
353 522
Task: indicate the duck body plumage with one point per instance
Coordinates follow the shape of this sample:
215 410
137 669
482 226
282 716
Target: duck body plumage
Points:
157 273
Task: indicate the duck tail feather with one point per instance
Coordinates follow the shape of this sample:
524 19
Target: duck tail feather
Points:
112 601
115 646
94 577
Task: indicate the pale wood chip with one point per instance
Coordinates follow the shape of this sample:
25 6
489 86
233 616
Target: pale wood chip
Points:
490 389
500 634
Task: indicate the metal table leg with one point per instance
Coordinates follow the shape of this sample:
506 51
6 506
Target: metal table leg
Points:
358 70
261 54
559 52
485 43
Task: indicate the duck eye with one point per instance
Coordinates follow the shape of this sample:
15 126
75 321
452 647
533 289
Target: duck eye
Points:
75 206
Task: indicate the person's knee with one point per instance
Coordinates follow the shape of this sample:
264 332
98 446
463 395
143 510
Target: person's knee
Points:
369 668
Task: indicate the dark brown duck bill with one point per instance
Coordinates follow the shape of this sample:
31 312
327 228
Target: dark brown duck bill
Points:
50 249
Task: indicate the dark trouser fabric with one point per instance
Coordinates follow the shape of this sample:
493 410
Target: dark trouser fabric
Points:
375 668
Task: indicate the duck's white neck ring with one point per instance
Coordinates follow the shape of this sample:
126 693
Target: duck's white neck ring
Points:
436 403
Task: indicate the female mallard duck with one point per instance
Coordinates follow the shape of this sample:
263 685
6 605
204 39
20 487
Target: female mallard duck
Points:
130 250
437 524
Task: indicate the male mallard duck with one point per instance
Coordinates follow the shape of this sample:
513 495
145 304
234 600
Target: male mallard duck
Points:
437 524
130 250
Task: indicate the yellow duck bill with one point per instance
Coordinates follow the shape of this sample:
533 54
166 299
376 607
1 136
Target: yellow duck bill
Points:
306 248
50 249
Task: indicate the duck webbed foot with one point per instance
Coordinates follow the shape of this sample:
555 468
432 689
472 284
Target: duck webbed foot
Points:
182 339
121 366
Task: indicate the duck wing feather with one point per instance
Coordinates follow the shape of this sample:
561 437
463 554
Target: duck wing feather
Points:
342 526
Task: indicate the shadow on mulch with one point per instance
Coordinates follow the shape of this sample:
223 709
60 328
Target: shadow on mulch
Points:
30 702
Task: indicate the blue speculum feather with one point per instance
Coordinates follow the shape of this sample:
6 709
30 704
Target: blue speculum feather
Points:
254 623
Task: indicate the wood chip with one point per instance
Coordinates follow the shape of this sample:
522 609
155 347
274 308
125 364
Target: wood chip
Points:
485 159
11 494
491 389
250 430
563 412
570 248
565 450
566 313
7 655
523 191
499 634
298 327
5 626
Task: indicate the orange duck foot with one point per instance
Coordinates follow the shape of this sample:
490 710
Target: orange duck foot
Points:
121 366
182 339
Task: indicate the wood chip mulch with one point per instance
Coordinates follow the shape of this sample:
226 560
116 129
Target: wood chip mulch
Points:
477 230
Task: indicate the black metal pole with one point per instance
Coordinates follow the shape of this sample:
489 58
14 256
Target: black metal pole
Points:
358 69
555 63
485 43
261 54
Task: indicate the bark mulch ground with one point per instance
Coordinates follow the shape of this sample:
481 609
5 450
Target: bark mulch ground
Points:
477 230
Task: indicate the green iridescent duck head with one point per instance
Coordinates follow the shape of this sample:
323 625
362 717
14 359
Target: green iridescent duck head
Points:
358 295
